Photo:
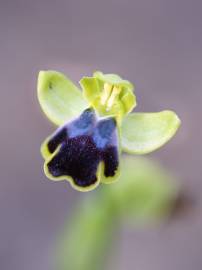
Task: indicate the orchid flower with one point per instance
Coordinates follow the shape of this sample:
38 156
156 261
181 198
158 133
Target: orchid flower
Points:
96 125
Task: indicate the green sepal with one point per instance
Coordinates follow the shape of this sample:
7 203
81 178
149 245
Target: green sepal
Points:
60 99
142 133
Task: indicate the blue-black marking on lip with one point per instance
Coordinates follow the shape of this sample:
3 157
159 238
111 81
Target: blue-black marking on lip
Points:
84 143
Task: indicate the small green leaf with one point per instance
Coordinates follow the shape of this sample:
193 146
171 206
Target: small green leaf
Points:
59 98
142 133
144 192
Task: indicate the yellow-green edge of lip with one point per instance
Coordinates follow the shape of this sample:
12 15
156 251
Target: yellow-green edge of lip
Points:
69 178
100 171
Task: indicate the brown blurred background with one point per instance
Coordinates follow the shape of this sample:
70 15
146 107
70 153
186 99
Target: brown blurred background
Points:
156 44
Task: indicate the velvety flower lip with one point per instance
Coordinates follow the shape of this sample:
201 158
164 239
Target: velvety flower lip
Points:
78 149
95 126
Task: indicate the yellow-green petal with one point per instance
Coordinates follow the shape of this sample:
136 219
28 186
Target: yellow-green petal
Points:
142 133
112 79
129 101
59 97
91 88
109 94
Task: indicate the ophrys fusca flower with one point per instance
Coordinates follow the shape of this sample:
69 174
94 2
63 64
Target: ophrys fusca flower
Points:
95 126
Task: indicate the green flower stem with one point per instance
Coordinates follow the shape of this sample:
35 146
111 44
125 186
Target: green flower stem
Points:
144 193
89 237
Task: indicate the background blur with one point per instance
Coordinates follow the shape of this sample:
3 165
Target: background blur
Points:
156 44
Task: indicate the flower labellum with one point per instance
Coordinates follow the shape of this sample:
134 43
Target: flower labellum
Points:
94 128
77 149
